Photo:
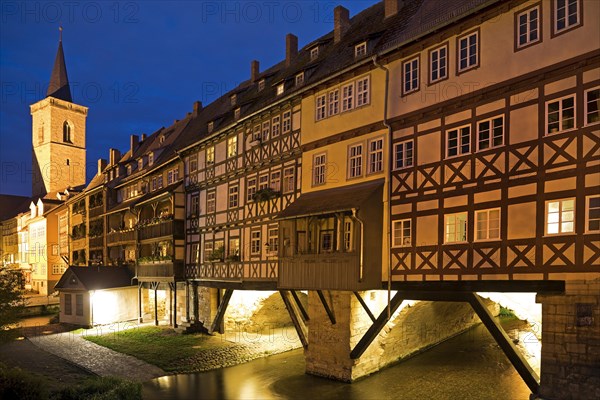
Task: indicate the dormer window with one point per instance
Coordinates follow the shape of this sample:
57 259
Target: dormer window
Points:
129 170
314 53
300 79
360 49
150 158
211 126
161 140
280 89
233 99
140 163
237 113
261 85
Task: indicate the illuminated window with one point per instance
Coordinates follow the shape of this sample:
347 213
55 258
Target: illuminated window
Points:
319 162
280 88
487 224
234 248
490 133
458 141
403 154
150 158
560 216
410 74
232 146
528 29
455 228
210 155
402 233
438 64
468 51
560 115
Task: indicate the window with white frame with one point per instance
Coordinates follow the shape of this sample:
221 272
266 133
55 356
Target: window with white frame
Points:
487 224
321 108
286 123
280 89
468 51
319 163
362 92
140 163
150 158
194 205
233 250
250 189
273 240
266 130
263 182
276 181
528 27
169 177
355 160
209 247
360 49
211 202
210 155
289 181
232 146
275 125
211 126
256 132
237 113
193 163
233 99
567 14
300 79
375 156
261 85
129 170
194 253
560 115
314 53
458 141
333 102
490 133
438 64
592 106
348 97
402 233
592 218
58 269
403 154
154 184
348 228
560 216
410 74
159 182
233 196
455 228
255 239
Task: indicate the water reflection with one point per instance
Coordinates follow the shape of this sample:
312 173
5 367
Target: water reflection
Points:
469 366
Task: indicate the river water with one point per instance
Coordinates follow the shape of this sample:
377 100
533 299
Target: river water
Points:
468 366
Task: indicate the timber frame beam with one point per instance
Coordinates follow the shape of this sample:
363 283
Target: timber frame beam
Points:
221 311
328 310
301 328
365 306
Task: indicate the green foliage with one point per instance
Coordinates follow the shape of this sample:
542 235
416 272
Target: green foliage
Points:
106 388
20 385
217 254
506 312
12 300
265 194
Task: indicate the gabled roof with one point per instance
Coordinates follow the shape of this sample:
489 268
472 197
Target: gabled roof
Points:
94 278
11 205
59 82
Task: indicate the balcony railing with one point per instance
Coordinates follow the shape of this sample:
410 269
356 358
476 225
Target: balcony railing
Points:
235 271
336 271
96 211
161 229
97 241
120 236
159 271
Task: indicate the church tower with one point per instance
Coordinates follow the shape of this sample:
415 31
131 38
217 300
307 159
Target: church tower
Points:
58 135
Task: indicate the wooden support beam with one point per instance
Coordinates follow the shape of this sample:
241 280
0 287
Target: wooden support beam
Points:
516 358
301 329
508 286
174 304
326 306
377 326
221 311
300 306
155 303
364 305
139 303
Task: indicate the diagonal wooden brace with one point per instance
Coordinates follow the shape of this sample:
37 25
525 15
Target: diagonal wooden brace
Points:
326 306
221 311
301 329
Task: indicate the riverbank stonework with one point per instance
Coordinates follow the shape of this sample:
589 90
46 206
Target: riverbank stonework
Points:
570 364
415 328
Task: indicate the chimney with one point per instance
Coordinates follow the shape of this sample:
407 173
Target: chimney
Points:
392 7
101 165
291 48
197 108
114 156
134 142
341 23
254 71
143 137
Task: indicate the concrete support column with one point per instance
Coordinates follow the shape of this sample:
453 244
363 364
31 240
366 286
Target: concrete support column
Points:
570 364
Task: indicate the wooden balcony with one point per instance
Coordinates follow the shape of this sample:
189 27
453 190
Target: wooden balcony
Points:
233 271
120 237
335 271
96 211
97 242
161 229
159 271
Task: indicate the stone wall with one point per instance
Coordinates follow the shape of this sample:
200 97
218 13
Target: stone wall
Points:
414 328
570 365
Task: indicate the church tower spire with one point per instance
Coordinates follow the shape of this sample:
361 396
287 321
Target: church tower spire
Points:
59 82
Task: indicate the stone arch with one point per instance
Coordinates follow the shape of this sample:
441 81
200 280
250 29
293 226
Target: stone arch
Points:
68 132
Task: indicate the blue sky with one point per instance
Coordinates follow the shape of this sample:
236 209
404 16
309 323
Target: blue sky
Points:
137 65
